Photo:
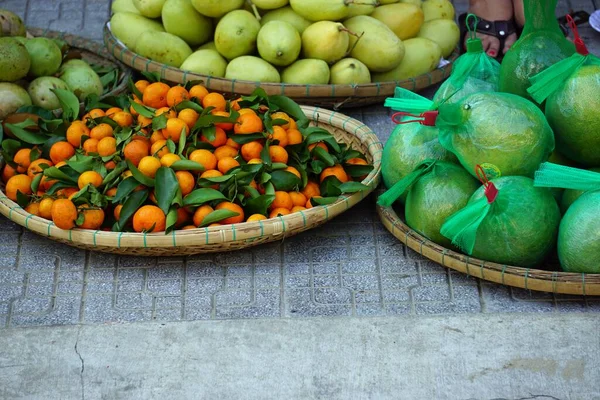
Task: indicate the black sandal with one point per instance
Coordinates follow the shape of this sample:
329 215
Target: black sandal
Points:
498 29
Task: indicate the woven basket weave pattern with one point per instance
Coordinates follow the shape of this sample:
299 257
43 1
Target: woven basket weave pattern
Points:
227 237
526 278
329 96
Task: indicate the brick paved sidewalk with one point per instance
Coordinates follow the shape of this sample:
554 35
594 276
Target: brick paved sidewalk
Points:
350 266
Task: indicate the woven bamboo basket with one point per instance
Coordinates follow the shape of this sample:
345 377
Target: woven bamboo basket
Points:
525 278
226 237
93 53
328 96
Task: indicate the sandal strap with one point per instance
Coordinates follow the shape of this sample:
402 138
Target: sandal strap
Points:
500 29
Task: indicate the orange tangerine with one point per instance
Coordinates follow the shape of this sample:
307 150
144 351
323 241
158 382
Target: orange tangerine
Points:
169 159
89 178
226 205
278 212
248 123
101 131
226 164
225 151
200 213
205 158
189 116
215 100
176 95
155 95
198 91
219 140
61 151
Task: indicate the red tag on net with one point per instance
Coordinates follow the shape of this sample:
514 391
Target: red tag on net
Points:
579 45
491 191
426 118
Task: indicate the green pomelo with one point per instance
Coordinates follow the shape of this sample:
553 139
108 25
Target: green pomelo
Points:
378 48
12 97
14 60
40 91
573 112
123 6
322 10
444 32
287 14
451 94
421 56
504 133
127 27
436 196
149 8
522 225
279 43
579 236
163 47
250 68
570 195
236 34
308 71
438 9
205 62
181 19
349 71
530 55
407 147
45 55
82 82
405 20
270 4
73 64
216 8
355 9
11 24
325 40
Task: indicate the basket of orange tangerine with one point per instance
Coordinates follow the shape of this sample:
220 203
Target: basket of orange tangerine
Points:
178 170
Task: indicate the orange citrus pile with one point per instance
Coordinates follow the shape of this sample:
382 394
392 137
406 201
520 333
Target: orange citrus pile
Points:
177 158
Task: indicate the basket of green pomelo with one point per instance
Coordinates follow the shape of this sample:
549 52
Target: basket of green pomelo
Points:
37 66
318 52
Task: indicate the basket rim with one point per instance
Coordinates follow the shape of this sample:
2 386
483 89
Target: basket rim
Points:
280 226
328 91
93 47
524 278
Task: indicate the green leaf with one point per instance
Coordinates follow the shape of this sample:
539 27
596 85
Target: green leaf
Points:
1 133
182 140
43 113
187 165
303 174
22 199
171 219
114 174
35 183
323 201
166 188
277 166
130 206
352 154
133 89
202 196
60 185
80 219
159 122
315 135
324 156
141 178
10 147
330 187
62 174
352 187
265 155
151 76
268 122
123 135
284 180
279 122
108 80
19 130
218 215
264 178
68 102
251 191
93 101
106 120
124 189
259 205
210 133
189 104
317 166
243 139
356 171
171 146
269 188
289 106
143 110
209 120
34 154
51 125
82 164
203 182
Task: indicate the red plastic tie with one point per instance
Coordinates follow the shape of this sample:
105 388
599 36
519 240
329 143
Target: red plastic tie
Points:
579 45
426 118
491 191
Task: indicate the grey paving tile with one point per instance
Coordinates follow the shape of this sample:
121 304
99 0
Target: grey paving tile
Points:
130 285
102 260
431 293
268 253
131 301
329 254
164 287
369 310
398 309
204 269
64 311
296 269
266 304
167 315
198 306
236 257
326 268
100 274
361 282
571 306
165 272
136 262
446 308
396 296
40 289
168 302
204 285
100 287
397 265
69 288
132 273
497 298
363 296
434 279
326 281
8 276
8 292
234 297
269 281
362 266
99 309
32 305
240 270
267 269
398 281
239 282
38 277
297 281
333 296
300 305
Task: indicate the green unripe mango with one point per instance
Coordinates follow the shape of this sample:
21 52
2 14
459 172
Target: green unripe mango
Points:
163 47
127 27
40 91
250 68
216 8
308 71
180 18
236 34
205 62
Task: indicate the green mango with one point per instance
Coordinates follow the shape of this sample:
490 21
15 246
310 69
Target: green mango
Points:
349 71
163 47
127 27
279 43
123 6
205 62
325 40
444 32
82 81
422 56
216 8
149 8
286 14
250 68
308 71
180 18
45 55
236 34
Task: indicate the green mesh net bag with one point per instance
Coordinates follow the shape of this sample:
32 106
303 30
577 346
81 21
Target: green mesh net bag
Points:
503 133
571 90
436 190
541 44
410 143
507 221
578 236
472 72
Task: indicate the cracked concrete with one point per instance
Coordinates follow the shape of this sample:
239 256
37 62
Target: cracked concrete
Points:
82 364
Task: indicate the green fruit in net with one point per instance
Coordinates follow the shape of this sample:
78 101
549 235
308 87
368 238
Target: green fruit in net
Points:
503 133
407 147
570 195
436 196
573 112
579 236
521 226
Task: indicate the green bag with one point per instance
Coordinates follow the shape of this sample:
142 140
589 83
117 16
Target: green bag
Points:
435 190
578 236
571 89
541 44
503 133
507 221
472 72
410 143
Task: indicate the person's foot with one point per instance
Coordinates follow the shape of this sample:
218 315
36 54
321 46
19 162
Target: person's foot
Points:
493 10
